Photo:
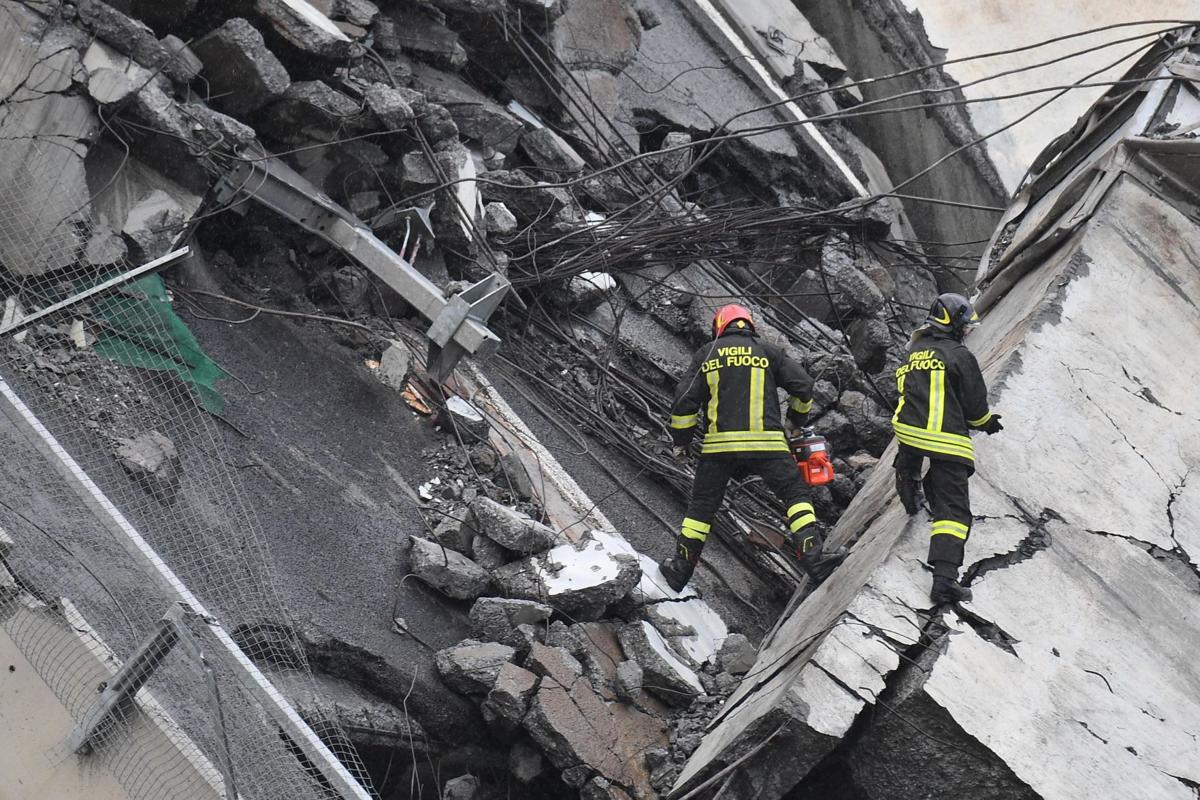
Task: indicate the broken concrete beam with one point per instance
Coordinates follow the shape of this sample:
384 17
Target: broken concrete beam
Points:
185 60
693 628
132 38
478 117
153 225
109 86
495 619
242 74
487 553
43 140
555 664
313 111
523 196
357 12
214 129
498 219
630 679
579 732
549 151
423 35
508 700
437 123
667 676
389 106
471 667
597 34
737 654
307 29
452 533
451 573
395 364
593 573
511 528
151 459
419 171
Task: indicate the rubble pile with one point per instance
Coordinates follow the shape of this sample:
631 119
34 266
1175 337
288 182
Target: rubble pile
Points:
582 655
526 133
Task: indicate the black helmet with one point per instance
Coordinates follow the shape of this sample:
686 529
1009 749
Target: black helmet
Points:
952 313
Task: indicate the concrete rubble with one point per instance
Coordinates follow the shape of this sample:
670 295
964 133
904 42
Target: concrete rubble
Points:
451 573
583 676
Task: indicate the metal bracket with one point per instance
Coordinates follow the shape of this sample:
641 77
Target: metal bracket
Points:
458 324
132 675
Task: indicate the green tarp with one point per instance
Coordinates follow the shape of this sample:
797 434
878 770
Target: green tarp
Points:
141 329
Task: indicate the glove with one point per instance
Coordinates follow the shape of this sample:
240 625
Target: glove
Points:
992 425
679 452
794 422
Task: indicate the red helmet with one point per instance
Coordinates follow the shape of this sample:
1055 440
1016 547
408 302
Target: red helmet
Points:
729 314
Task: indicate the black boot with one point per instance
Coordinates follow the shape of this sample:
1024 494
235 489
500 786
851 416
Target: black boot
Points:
678 568
819 565
948 590
908 486
677 572
808 543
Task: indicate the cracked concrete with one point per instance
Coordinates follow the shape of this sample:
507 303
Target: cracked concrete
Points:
1074 651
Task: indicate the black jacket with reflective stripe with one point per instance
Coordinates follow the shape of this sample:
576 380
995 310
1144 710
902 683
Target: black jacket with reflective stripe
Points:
731 387
942 397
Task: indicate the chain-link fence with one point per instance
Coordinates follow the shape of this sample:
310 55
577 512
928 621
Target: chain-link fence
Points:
136 580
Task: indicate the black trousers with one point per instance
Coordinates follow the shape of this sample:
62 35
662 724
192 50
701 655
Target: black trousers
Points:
947 489
782 477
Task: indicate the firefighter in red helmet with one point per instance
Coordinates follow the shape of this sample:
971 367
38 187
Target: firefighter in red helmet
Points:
731 390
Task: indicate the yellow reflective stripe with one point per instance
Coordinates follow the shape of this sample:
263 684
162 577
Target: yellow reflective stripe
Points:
937 399
796 509
938 442
697 525
714 387
684 420
975 423
948 527
737 447
757 390
745 436
932 447
800 406
802 522
688 533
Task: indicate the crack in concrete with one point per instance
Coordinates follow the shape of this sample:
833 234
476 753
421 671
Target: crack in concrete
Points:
987 630
1084 725
1035 541
1113 422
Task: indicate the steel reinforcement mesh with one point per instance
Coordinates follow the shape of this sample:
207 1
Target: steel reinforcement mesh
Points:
117 382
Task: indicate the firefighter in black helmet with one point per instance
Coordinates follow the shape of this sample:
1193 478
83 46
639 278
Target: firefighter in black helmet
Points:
732 386
942 399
